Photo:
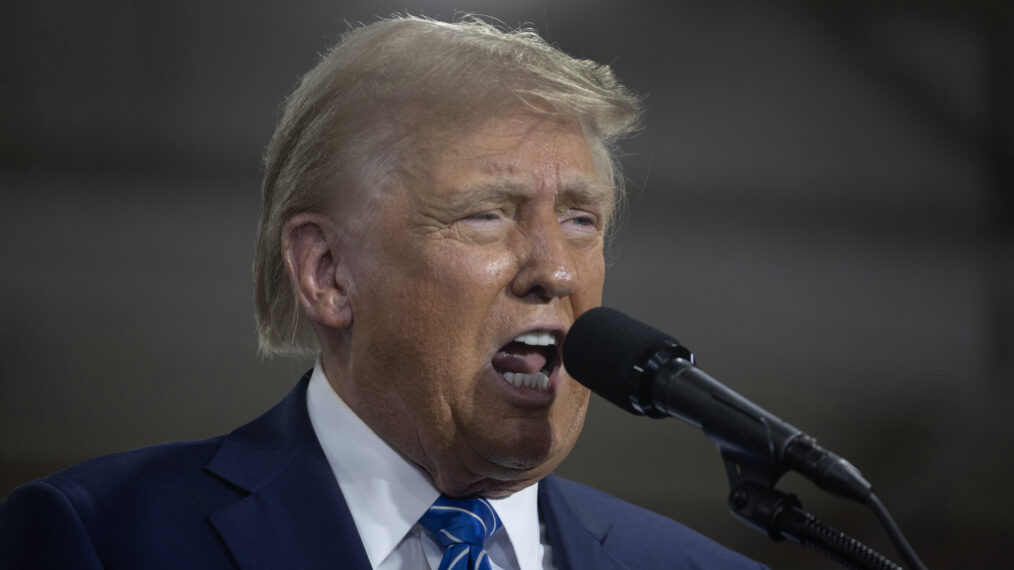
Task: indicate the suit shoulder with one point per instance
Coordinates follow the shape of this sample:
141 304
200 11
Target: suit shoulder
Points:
67 519
584 496
638 534
159 476
119 472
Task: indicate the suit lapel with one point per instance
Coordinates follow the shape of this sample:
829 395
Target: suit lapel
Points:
576 534
294 515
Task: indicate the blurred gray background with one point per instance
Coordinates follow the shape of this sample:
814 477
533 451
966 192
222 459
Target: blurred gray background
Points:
821 207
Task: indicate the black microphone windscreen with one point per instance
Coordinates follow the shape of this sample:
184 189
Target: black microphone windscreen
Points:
602 347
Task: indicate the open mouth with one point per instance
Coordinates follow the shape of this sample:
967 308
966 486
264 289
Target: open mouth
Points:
529 360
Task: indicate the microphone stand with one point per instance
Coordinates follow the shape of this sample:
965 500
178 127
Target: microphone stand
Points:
659 378
754 501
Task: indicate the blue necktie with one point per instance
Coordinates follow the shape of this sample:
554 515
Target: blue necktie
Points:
462 527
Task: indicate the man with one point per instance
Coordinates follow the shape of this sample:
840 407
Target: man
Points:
435 202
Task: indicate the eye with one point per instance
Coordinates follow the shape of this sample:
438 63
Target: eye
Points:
486 219
485 216
582 220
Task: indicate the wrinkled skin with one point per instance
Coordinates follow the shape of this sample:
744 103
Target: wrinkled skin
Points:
503 235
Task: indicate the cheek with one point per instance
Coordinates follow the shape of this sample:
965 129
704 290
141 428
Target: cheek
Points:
571 408
498 268
464 280
590 277
471 263
442 298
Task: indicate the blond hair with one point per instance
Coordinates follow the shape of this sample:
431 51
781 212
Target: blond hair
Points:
351 121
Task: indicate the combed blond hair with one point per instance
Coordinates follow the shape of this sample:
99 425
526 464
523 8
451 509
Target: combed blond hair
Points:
352 121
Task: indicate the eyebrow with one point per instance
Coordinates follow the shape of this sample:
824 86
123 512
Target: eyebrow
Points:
497 189
585 191
579 191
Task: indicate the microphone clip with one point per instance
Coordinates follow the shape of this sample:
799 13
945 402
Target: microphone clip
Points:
754 501
640 384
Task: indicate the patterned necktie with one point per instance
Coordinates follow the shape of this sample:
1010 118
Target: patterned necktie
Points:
462 527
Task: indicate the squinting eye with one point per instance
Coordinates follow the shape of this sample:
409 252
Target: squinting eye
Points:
581 220
484 216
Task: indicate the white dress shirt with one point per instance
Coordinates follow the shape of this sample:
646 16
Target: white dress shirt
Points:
386 495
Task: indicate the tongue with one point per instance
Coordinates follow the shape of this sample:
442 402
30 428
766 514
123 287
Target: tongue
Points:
518 357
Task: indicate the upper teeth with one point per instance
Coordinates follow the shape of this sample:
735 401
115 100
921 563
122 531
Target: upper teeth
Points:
537 338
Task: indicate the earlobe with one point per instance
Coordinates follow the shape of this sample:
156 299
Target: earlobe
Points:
312 259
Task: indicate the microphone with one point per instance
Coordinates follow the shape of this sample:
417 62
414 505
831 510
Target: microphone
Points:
647 372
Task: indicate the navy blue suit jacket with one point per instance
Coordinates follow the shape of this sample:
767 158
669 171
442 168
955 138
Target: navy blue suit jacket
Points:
264 496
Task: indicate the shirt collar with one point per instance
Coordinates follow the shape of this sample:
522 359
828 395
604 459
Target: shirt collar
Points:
386 494
519 514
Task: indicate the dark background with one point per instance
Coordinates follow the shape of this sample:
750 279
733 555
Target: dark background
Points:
821 207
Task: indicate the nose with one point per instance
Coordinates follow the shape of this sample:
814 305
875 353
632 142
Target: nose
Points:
546 267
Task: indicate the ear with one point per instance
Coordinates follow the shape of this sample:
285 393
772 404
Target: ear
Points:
316 270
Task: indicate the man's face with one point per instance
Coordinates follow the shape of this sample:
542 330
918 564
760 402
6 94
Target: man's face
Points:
501 241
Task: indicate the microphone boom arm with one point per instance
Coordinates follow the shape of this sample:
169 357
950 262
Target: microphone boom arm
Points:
673 386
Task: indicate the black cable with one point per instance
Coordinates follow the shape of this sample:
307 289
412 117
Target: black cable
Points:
780 515
808 530
911 558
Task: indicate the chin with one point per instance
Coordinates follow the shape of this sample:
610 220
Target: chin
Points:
500 488
522 453
499 475
503 489
493 488
512 472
